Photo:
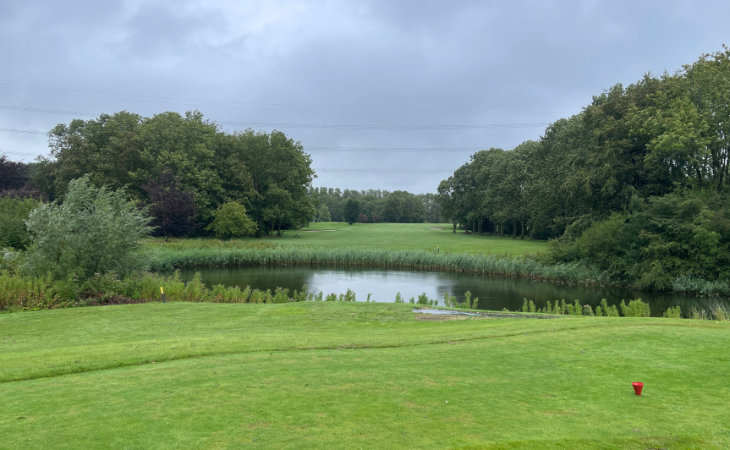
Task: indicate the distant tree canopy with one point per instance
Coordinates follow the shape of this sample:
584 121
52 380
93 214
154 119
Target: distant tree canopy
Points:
600 176
352 210
375 206
268 173
13 175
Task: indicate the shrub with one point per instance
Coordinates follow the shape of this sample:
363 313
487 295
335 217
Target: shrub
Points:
281 295
230 220
673 312
635 308
467 300
605 310
449 300
93 231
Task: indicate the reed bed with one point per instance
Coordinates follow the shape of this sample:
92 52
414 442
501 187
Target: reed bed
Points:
515 266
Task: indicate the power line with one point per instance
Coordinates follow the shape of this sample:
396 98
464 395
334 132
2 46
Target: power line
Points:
44 110
276 106
18 131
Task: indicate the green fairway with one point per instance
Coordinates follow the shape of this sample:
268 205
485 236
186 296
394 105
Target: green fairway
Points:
355 375
387 236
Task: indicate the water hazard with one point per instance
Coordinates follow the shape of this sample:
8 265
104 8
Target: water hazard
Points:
383 285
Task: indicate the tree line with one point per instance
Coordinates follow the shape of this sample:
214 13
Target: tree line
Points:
188 173
636 183
373 205
183 168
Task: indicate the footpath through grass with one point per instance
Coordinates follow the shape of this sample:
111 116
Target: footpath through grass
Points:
356 375
384 236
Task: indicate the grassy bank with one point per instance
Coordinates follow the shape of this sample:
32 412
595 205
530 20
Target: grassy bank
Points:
425 237
379 245
346 375
394 246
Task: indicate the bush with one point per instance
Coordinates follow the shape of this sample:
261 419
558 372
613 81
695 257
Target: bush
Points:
673 312
230 220
93 231
635 308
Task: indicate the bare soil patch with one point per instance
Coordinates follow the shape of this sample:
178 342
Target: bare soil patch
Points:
443 317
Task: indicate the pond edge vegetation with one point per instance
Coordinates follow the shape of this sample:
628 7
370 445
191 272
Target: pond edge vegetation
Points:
28 293
161 259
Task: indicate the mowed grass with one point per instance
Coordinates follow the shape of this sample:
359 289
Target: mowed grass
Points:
388 236
356 375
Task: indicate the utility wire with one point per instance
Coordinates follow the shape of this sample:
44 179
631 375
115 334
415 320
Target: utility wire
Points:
274 106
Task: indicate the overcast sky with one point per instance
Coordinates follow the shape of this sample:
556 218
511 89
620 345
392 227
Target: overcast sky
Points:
382 94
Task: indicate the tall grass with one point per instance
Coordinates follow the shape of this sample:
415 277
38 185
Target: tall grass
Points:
19 293
713 310
166 260
705 288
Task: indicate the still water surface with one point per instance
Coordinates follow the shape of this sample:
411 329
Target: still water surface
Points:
494 293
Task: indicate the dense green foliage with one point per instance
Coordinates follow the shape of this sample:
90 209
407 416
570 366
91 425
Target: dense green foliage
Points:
658 239
374 206
13 213
635 185
356 375
352 211
94 230
268 173
230 220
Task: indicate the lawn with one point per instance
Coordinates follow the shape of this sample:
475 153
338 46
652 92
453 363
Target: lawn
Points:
356 375
389 236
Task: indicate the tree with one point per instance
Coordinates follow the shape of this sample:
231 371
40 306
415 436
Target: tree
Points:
230 220
403 207
323 213
13 213
432 207
106 148
94 230
447 202
281 173
186 146
172 208
13 175
352 210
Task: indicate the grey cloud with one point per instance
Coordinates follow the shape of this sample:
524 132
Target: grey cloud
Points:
399 70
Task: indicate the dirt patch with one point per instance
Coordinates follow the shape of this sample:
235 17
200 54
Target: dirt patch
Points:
442 317
436 228
450 314
317 231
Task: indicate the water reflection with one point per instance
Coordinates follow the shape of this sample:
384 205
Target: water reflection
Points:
494 293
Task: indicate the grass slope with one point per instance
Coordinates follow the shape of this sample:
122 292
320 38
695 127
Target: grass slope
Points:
387 236
318 375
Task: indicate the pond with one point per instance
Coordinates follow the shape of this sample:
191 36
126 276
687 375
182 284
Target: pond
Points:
494 293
